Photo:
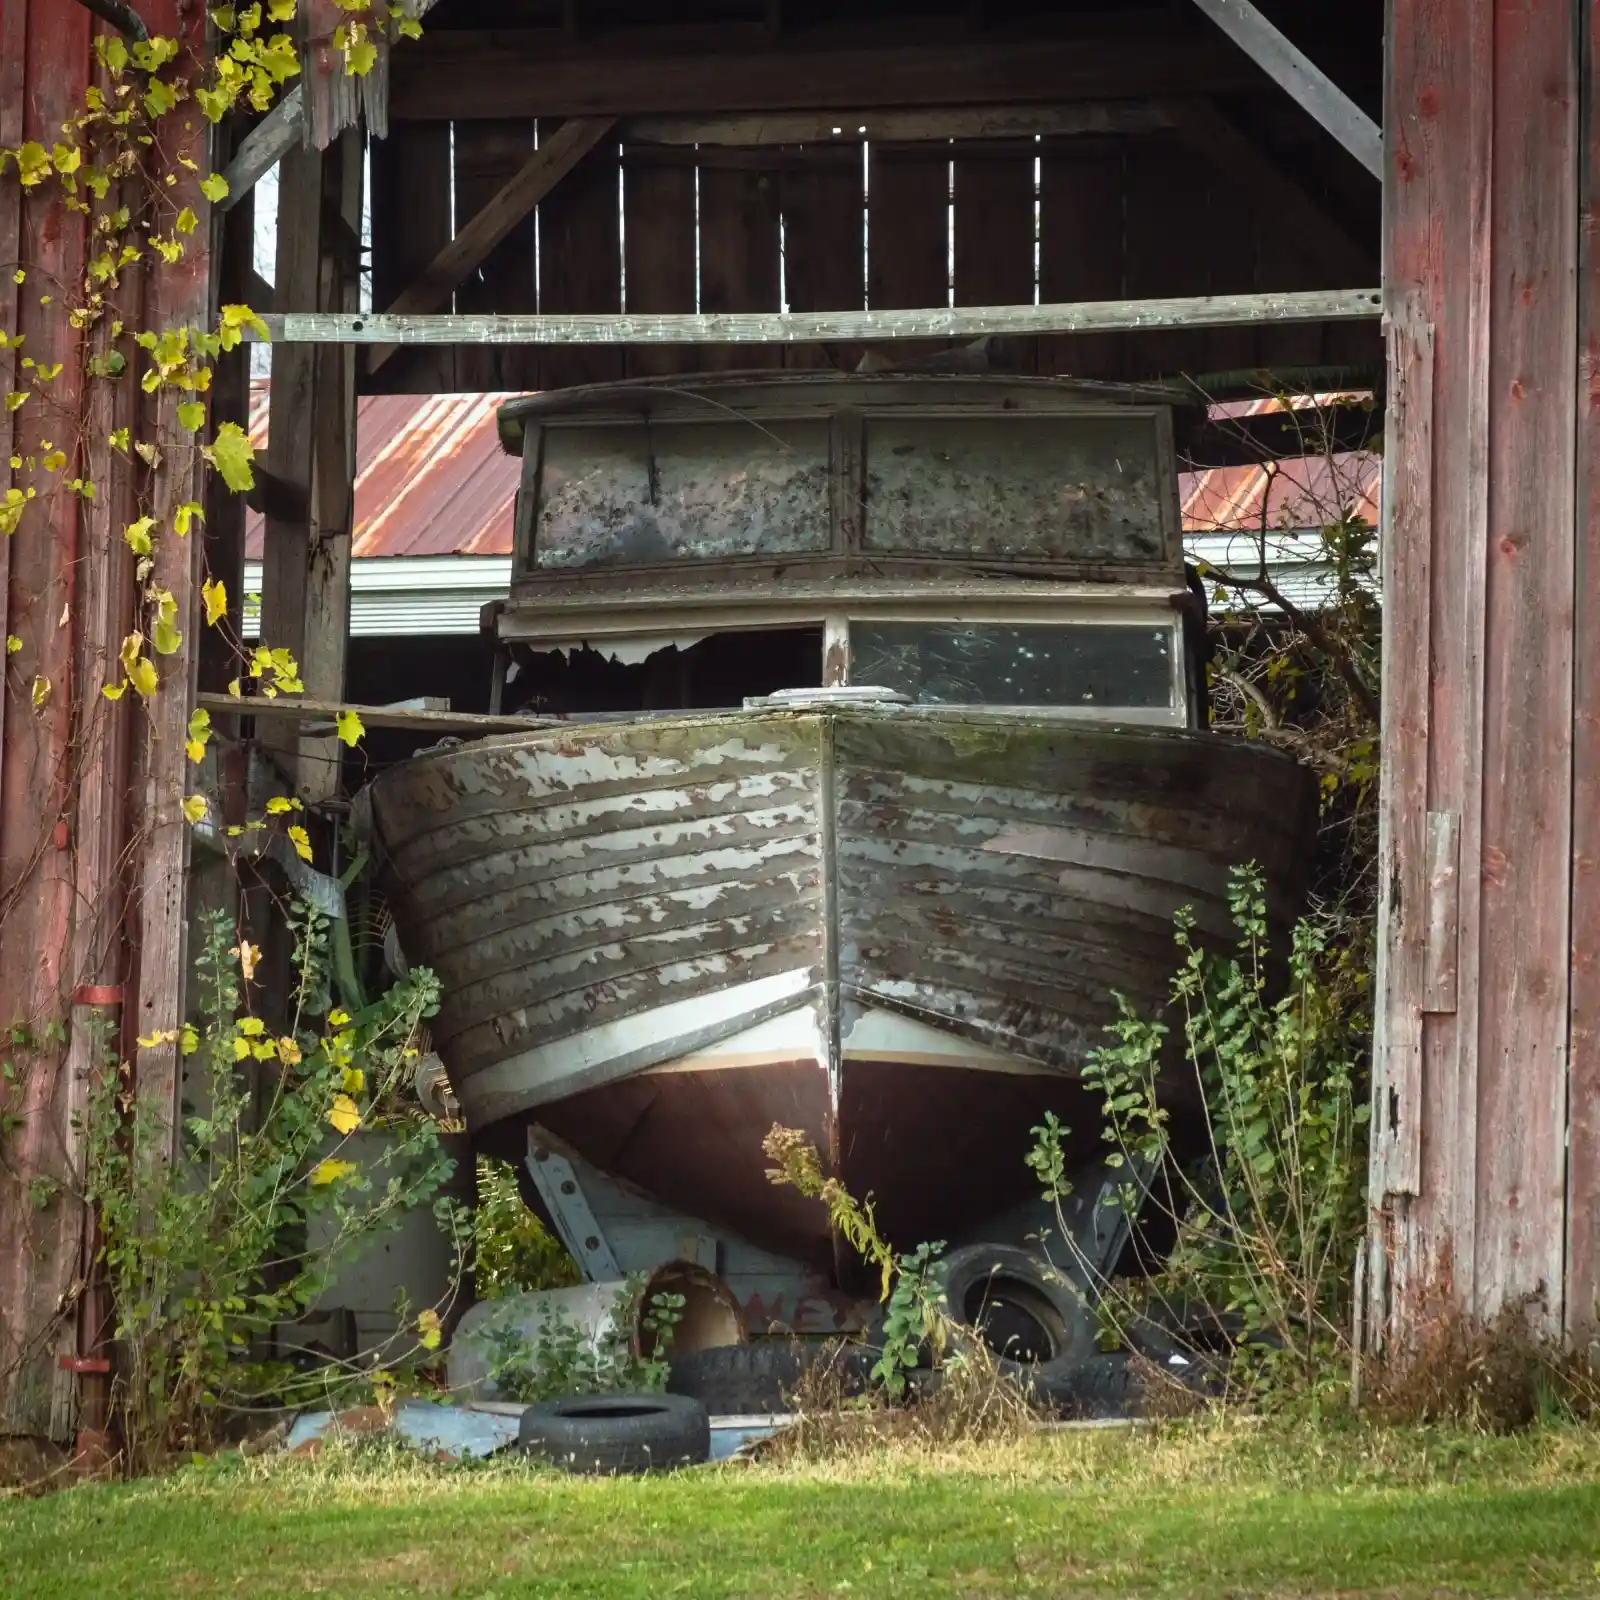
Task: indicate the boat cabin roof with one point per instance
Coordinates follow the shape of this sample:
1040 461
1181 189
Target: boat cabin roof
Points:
687 543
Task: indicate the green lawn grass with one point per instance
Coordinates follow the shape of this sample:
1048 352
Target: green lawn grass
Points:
1194 1509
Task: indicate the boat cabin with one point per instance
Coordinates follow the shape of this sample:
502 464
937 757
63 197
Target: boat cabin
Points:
691 544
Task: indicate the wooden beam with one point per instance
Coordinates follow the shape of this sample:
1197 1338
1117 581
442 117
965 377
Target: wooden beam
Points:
298 708
1305 82
291 424
1302 218
333 465
801 327
264 147
460 74
847 128
543 170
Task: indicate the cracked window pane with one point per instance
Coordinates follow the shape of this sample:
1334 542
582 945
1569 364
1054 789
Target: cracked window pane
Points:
614 494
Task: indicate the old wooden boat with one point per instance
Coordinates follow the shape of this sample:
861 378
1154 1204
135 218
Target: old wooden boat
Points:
875 770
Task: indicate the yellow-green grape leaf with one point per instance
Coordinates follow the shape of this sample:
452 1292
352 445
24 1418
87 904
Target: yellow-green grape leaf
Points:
185 516
192 415
326 1172
15 399
214 187
410 28
141 672
215 594
231 453
41 691
137 535
429 1333
67 158
55 461
199 732
301 841
165 636
344 1114
113 691
194 807
187 221
33 167
280 10
350 727
13 644
279 804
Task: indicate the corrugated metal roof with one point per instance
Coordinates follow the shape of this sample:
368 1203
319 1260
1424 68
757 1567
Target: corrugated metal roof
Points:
432 480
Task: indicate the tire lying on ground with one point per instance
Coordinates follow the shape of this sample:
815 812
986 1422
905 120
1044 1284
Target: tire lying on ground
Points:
1030 1316
617 1433
760 1378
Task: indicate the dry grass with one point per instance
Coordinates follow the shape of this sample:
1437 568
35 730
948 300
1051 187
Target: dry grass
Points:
973 1403
1495 1377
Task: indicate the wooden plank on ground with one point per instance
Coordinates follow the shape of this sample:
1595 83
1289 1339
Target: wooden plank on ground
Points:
410 211
658 235
1081 226
739 261
580 260
489 264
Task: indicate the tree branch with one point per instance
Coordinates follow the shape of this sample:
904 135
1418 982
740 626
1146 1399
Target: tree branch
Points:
120 15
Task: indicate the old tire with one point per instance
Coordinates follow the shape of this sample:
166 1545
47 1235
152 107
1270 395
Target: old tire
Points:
617 1433
1030 1316
760 1378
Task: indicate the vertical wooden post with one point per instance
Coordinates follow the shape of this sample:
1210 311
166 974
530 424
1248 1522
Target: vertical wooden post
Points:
1473 1209
305 600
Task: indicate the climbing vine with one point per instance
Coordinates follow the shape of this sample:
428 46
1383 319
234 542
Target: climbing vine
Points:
117 162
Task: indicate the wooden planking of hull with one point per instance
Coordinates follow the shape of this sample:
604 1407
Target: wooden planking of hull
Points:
898 928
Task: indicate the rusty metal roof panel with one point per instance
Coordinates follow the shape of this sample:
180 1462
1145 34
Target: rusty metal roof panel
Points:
431 478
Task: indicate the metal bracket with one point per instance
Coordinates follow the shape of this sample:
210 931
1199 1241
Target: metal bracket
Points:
557 1182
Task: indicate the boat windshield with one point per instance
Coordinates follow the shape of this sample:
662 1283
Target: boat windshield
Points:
1095 668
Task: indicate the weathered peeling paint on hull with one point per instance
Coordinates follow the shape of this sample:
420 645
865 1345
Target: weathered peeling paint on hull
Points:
898 928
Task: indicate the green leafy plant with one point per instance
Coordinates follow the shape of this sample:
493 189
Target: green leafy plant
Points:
561 1357
1270 1209
207 1253
512 1250
914 1325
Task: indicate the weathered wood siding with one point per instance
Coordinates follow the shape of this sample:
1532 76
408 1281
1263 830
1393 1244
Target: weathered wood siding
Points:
1477 1076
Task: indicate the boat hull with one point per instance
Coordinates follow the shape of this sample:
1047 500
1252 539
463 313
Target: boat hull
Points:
898 929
